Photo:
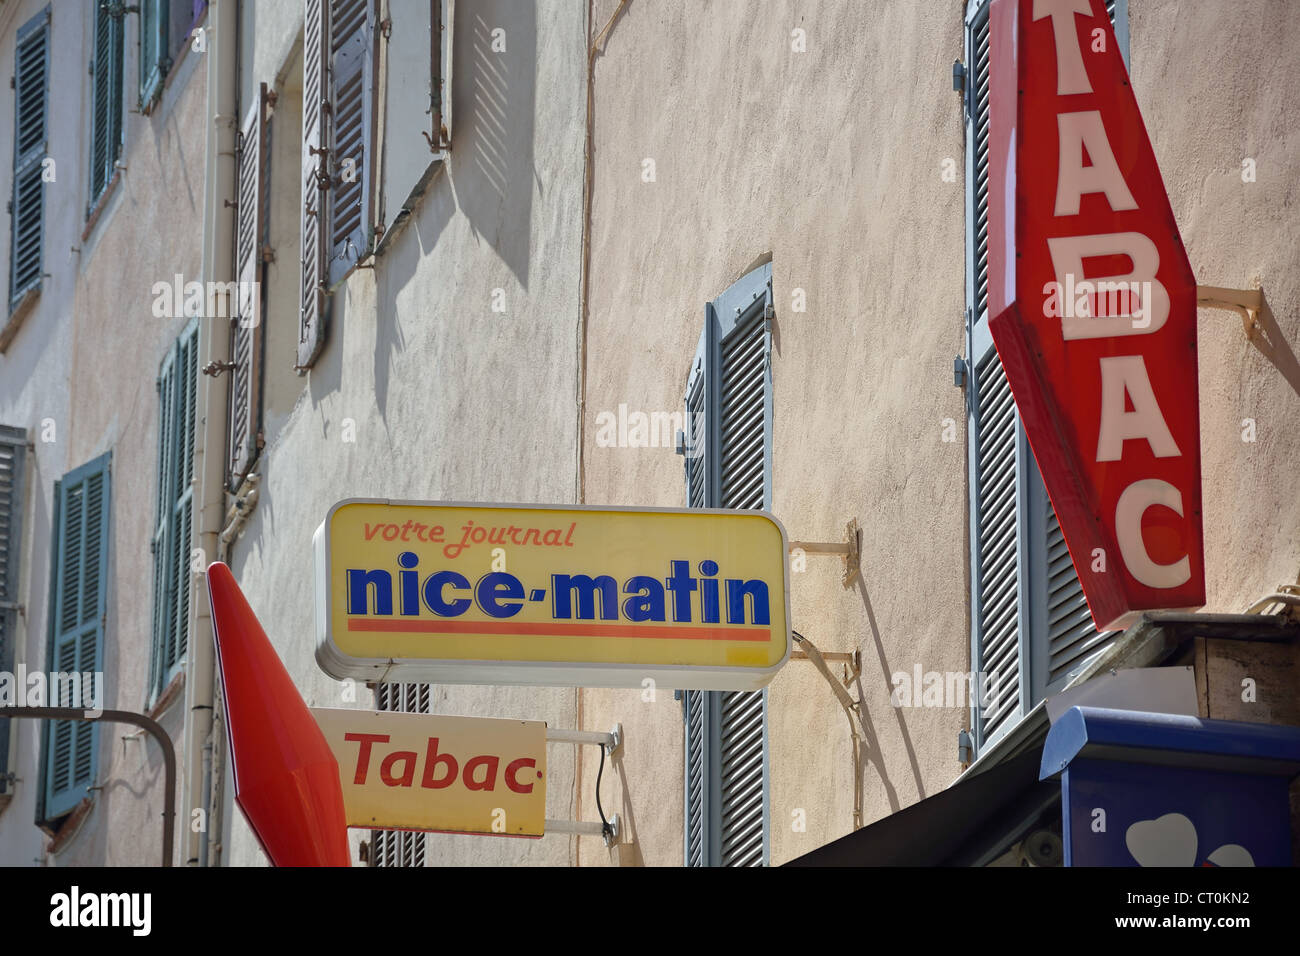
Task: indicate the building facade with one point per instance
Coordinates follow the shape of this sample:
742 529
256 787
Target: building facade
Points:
624 253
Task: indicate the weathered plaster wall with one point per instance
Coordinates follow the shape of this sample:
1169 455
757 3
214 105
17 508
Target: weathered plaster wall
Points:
830 160
1213 88
424 392
80 376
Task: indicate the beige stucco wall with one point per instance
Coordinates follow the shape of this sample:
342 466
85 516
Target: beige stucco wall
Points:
831 161
80 376
423 392
1213 89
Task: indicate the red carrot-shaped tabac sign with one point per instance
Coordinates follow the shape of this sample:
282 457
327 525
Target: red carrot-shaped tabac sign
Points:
286 777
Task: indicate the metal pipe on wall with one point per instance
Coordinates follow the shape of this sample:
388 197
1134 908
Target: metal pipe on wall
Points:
209 451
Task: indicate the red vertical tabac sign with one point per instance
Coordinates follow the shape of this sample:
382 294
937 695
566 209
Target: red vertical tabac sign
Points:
1094 307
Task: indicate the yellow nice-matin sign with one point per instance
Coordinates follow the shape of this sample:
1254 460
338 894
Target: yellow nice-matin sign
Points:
427 772
574 596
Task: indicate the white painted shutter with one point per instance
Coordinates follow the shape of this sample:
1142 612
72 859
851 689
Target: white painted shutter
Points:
245 426
315 182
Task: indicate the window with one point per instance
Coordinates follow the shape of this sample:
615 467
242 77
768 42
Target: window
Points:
173 515
245 424
338 93
415 131
13 457
79 576
399 847
31 105
1030 627
165 27
105 101
345 212
729 465
155 44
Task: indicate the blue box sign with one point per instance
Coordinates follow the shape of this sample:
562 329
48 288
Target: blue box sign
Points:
1140 789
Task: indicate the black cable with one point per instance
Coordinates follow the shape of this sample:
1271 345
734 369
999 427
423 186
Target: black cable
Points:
605 829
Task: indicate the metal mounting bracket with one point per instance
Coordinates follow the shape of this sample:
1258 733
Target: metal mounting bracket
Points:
1246 302
611 741
852 662
587 829
850 550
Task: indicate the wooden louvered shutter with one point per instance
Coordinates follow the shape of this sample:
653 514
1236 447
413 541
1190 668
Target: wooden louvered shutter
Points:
31 106
1030 627
315 182
106 101
182 501
161 545
696 703
400 847
155 41
351 49
245 426
1000 460
729 419
77 626
174 509
13 458
744 435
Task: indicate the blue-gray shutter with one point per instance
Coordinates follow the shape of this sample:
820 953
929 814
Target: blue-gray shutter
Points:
245 420
155 44
726 746
106 101
31 132
351 32
312 316
13 458
77 625
174 508
400 847
1030 628
696 703
744 438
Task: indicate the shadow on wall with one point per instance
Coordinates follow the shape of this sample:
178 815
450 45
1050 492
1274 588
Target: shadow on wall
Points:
871 750
490 172
1272 344
494 68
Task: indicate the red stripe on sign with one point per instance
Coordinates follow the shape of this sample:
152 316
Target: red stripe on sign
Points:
564 630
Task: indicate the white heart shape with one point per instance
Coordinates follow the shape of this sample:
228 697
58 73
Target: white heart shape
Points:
1167 841
1232 854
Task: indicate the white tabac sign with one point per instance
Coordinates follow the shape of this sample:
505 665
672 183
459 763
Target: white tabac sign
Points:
567 596
446 774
